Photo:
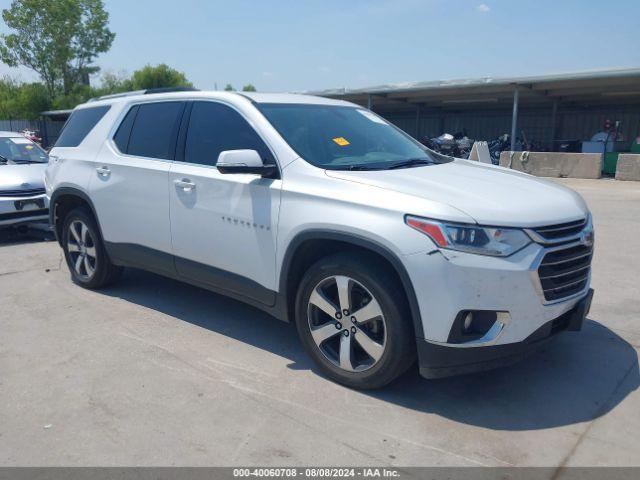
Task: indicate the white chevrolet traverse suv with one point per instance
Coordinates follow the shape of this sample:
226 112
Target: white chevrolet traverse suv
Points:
321 213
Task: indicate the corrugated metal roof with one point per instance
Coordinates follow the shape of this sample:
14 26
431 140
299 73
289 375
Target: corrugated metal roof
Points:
486 81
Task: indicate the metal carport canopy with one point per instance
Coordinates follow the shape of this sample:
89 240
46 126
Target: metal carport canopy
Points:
582 88
595 87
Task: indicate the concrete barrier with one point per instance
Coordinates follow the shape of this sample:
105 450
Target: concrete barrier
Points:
628 167
555 164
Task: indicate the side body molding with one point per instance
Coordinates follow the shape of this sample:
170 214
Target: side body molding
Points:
258 297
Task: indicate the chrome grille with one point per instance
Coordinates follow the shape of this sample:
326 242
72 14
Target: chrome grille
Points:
22 193
560 231
565 272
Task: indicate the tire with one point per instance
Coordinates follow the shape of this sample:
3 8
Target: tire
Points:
84 251
380 344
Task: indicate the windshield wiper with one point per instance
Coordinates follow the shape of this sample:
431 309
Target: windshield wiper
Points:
363 167
4 159
412 162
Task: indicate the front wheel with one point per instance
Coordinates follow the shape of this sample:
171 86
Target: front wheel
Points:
353 321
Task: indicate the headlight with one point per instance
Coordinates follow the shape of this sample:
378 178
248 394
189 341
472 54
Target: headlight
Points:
494 241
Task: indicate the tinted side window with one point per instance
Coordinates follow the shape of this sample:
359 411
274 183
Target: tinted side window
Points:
121 138
155 129
79 125
213 128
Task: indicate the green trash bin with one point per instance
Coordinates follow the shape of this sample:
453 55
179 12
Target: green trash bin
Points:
610 163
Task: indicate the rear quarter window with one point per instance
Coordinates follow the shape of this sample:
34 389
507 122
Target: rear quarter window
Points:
79 125
121 138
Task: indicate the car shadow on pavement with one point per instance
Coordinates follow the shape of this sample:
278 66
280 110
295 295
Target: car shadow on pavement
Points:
13 236
577 377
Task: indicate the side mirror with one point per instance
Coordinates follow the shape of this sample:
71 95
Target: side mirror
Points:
245 161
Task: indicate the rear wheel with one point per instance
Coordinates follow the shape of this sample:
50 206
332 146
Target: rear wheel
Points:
353 321
84 251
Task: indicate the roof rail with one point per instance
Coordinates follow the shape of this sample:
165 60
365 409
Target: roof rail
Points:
117 95
170 89
144 92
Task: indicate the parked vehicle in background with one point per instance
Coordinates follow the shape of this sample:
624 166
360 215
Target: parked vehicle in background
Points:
321 213
32 135
22 194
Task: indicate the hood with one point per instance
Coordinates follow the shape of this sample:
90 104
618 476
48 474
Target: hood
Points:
490 195
13 177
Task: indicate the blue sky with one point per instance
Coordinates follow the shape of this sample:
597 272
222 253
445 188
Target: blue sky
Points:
285 45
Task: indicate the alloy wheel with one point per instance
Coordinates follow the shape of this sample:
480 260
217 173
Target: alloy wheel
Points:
82 250
347 323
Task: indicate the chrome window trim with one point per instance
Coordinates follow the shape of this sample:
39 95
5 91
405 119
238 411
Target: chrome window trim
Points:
129 106
117 152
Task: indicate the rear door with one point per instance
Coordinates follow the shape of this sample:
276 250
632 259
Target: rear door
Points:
223 227
130 185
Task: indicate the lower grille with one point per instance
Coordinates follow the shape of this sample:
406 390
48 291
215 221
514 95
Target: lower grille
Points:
565 272
22 193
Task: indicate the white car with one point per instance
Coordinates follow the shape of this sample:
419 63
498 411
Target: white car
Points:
22 195
321 213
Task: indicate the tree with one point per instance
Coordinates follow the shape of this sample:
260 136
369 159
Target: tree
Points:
58 39
248 88
229 88
113 82
31 100
159 76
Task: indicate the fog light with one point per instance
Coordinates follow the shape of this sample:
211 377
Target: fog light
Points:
471 325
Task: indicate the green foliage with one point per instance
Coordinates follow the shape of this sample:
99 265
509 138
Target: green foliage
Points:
79 94
229 88
58 39
113 83
22 101
27 100
159 76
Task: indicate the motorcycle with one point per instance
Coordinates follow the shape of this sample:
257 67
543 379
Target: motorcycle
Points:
457 145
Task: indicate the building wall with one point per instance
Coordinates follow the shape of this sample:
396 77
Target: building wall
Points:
571 123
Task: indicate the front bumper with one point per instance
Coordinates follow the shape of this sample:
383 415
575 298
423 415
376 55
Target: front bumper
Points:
447 282
19 210
437 360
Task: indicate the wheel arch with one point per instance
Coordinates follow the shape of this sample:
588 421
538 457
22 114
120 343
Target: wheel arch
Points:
309 246
62 201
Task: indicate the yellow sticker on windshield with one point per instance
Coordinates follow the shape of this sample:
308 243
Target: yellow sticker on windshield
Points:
341 141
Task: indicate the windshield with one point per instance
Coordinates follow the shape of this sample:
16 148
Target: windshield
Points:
21 150
344 138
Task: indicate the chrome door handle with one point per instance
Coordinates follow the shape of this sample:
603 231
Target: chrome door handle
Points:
103 171
185 184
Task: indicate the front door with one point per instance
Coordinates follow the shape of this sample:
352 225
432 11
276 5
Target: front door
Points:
223 226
